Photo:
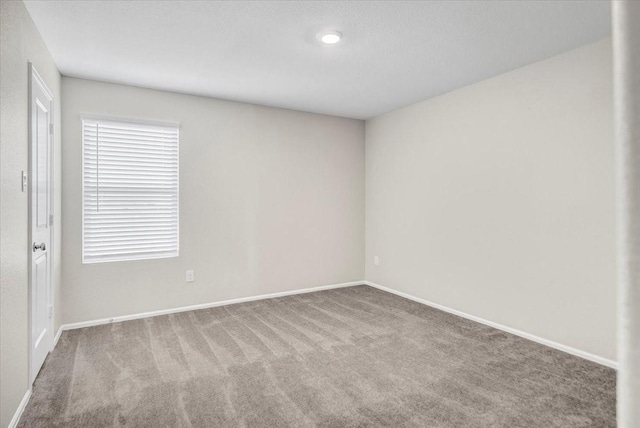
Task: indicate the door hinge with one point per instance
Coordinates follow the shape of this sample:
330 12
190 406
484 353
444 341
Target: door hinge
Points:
50 311
51 128
50 219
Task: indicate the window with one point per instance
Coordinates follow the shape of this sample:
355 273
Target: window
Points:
129 191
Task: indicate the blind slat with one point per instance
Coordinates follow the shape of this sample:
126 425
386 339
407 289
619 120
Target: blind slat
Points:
118 230
134 237
125 255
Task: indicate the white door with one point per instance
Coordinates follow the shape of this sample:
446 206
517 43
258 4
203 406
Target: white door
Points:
41 220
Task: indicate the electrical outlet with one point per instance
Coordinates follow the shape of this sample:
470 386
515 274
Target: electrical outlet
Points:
376 260
190 276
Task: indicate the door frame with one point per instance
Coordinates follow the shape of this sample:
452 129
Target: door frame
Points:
35 78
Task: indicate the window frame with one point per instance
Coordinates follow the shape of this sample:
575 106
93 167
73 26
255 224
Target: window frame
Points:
132 121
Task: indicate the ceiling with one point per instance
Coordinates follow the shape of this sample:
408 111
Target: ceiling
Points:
392 53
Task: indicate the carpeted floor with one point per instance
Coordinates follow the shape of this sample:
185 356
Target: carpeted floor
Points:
341 358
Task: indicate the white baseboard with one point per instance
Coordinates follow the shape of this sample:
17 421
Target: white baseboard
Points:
91 323
16 416
568 349
57 337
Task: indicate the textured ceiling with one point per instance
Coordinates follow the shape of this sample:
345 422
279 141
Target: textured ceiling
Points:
392 53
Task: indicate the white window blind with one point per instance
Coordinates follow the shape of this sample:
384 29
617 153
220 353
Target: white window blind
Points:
130 191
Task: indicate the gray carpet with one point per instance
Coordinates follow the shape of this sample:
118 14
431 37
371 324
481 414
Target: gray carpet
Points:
340 358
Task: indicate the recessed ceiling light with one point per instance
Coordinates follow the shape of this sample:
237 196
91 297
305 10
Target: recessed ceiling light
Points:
331 37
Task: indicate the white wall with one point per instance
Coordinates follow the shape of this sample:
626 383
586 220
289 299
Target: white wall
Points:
20 43
497 200
270 200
